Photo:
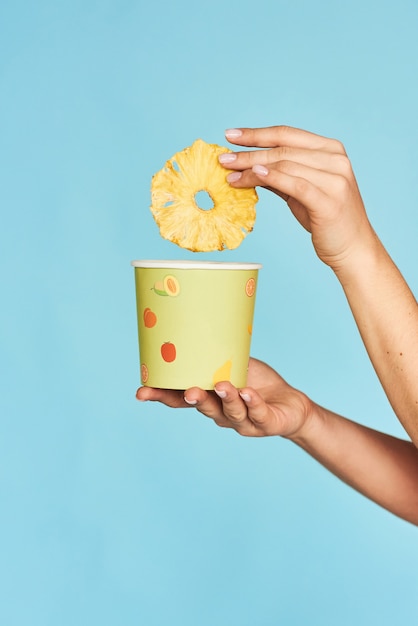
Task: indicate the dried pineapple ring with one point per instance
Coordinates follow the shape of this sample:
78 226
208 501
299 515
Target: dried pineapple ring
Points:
179 217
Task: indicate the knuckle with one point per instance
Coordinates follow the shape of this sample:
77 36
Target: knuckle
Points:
252 157
243 431
222 423
338 146
342 185
343 165
285 165
302 187
284 130
235 417
284 153
260 419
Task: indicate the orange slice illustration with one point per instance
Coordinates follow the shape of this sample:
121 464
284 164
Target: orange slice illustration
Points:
144 373
250 287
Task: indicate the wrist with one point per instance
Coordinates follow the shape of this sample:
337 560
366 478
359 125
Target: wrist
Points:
362 263
308 424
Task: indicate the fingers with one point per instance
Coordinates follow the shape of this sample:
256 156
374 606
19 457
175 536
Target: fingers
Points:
307 185
335 163
273 136
223 405
204 401
242 410
170 397
305 166
259 413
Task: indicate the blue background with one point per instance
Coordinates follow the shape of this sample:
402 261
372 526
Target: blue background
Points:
115 512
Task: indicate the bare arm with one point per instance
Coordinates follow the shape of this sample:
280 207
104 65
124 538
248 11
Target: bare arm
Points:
386 314
314 175
381 467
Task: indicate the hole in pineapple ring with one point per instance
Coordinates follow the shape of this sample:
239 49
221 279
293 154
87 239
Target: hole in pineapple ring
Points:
204 200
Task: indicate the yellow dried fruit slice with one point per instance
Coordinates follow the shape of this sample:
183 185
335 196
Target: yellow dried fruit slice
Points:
179 217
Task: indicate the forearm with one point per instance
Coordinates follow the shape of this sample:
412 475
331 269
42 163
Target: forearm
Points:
381 467
386 314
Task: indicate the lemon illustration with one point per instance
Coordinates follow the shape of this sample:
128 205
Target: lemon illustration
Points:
223 373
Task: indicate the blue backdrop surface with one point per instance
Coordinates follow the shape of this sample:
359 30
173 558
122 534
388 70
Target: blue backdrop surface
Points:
114 512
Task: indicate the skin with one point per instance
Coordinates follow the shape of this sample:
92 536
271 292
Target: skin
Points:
313 175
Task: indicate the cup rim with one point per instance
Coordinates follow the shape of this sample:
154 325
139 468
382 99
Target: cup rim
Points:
194 265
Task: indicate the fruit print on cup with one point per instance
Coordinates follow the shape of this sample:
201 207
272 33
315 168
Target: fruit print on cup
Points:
203 327
144 373
250 287
170 286
150 319
168 352
223 373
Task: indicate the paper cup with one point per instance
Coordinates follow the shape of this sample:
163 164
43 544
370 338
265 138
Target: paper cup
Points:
195 322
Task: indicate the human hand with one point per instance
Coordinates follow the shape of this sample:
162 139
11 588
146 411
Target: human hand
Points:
314 176
267 406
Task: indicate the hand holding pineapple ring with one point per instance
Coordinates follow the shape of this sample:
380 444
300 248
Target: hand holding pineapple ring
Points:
314 176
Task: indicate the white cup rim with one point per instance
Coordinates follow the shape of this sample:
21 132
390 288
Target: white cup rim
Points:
194 265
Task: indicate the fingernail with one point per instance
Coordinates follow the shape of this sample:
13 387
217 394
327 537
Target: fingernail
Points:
190 401
227 157
233 177
233 133
245 396
220 393
260 170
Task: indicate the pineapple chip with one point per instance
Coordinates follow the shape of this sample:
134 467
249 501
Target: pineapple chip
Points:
179 217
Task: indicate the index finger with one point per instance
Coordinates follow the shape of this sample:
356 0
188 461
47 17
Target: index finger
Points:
274 136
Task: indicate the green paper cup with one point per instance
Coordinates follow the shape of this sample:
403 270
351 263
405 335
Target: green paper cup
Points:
195 322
